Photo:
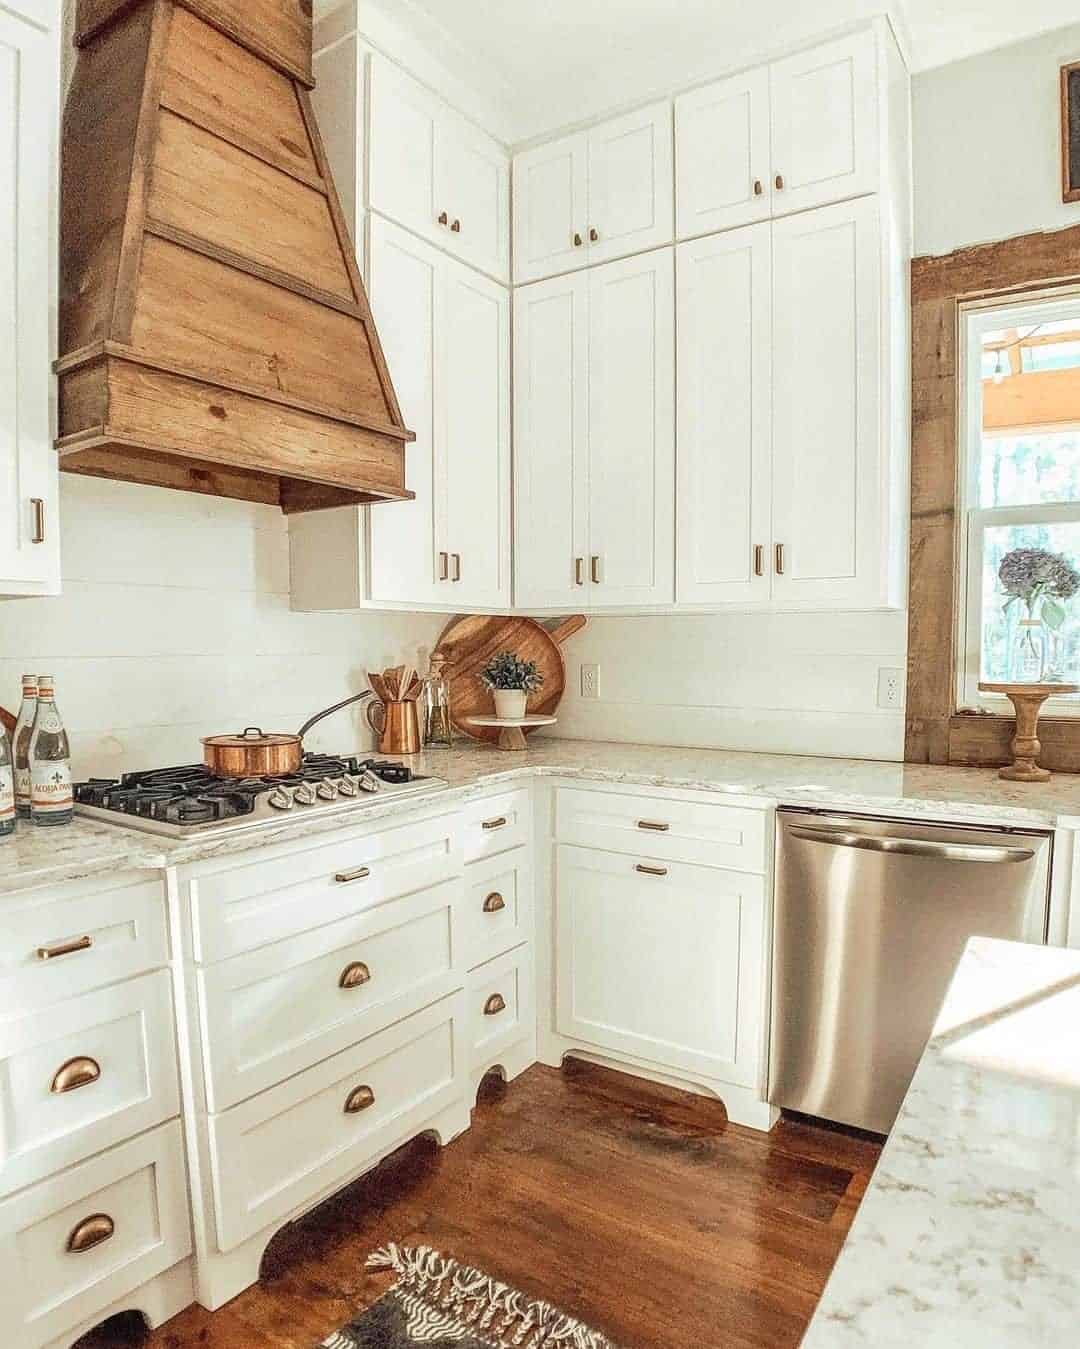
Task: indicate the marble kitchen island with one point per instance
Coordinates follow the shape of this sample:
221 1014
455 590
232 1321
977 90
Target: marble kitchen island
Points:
969 1233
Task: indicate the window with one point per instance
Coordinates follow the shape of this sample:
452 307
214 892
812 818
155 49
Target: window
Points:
1020 489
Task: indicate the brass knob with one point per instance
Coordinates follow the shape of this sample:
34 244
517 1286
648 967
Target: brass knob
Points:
352 976
758 188
360 1098
594 235
455 228
578 240
494 902
779 180
90 1232
444 219
494 1005
76 1073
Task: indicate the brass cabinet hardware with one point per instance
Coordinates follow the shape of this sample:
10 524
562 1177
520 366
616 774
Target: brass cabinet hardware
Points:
444 566
779 559
779 182
38 506
758 189
650 871
494 1005
578 240
494 824
360 1098
759 560
90 1232
64 948
444 219
494 902
455 228
594 235
455 559
654 825
352 976
77 1072
594 568
357 874
579 571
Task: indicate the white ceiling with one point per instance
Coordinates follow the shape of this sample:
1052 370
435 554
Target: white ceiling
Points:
555 62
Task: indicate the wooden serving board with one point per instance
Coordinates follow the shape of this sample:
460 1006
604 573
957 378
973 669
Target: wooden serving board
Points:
469 642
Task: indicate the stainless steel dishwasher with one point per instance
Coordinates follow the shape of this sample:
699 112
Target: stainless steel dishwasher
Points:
871 916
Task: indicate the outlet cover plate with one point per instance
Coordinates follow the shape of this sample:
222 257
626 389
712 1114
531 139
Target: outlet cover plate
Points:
590 681
890 688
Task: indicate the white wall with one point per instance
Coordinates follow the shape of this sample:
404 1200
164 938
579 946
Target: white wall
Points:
987 148
174 623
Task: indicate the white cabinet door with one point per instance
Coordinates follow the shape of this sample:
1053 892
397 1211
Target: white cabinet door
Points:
664 964
403 181
551 376
550 208
473 173
29 527
828 488
474 345
405 276
724 416
825 124
722 155
630 183
631 373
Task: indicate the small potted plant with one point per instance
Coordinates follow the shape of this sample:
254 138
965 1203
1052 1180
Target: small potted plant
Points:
511 681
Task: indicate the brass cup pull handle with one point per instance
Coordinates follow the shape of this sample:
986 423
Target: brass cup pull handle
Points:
352 976
347 877
759 560
443 219
578 240
650 871
90 1232
594 235
455 228
779 559
494 824
494 1005
38 506
779 180
494 903
360 1098
758 188
64 948
594 569
76 1073
654 825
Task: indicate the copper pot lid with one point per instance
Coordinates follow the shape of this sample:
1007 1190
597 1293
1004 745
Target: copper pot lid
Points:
250 737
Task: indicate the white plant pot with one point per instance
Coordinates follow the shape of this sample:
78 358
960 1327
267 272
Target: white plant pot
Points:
510 703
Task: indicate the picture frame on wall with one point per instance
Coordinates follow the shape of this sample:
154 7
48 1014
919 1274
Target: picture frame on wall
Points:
1070 132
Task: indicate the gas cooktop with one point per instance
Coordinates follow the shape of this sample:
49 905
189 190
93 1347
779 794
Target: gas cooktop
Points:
189 800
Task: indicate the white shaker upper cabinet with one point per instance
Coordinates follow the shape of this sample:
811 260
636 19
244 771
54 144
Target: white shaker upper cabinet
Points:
723 155
551 202
551 377
725 417
630 183
29 94
632 431
830 479
474 182
825 143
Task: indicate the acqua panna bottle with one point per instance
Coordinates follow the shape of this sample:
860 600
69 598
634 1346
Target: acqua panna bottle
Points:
51 800
21 745
7 787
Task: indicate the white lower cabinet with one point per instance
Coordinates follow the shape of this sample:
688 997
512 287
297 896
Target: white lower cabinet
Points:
501 1011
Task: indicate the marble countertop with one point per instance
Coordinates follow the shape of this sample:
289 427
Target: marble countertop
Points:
968 1236
87 848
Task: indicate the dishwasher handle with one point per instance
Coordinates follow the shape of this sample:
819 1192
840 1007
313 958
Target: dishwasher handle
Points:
912 847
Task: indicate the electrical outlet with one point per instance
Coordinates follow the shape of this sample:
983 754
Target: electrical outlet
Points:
590 681
890 687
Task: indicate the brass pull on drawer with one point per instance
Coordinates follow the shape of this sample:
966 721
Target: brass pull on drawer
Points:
650 871
494 1005
444 566
594 569
579 571
779 559
759 560
90 1232
38 506
352 976
654 825
360 1098
77 1072
64 948
357 874
494 902
494 824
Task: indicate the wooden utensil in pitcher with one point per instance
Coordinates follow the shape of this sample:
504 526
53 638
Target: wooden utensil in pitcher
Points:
396 724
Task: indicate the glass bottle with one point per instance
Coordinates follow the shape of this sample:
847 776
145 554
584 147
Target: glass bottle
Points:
1028 663
21 745
51 800
438 729
7 787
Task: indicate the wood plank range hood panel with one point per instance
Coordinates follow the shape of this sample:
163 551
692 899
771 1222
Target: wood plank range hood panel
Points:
214 331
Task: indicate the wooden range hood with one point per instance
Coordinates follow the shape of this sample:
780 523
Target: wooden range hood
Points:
214 331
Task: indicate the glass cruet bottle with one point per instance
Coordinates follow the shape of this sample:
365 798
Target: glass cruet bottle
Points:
438 729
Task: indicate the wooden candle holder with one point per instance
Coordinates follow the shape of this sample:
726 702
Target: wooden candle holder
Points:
1027 700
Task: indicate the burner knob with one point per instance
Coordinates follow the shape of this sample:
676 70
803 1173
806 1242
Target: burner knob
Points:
280 799
305 794
326 790
348 786
369 782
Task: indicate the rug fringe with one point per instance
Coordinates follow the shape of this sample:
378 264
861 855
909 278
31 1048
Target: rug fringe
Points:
473 1300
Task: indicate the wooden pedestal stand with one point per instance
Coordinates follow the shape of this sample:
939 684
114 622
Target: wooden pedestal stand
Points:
1027 699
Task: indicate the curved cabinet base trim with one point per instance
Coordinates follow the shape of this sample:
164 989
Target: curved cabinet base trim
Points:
158 1301
509 1064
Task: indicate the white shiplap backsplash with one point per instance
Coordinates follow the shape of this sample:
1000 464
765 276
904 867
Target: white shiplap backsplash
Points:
174 623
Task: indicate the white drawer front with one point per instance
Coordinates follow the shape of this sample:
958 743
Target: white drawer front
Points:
81 936
275 892
498 905
140 1188
496 824
278 1010
119 1048
275 1153
501 1008
664 827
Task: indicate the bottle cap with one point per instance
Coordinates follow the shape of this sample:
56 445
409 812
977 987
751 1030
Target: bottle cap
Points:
45 684
29 683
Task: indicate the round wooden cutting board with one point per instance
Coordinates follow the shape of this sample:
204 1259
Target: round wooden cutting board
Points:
468 644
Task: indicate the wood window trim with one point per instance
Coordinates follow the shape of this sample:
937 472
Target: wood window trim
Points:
934 732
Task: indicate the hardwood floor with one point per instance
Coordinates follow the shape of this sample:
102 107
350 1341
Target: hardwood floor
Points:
633 1206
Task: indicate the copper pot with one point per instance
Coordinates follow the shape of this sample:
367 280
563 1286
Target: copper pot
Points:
254 753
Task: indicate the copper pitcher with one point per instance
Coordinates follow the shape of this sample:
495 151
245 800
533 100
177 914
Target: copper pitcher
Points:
396 724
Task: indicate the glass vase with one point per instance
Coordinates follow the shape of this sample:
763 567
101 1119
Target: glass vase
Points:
1027 664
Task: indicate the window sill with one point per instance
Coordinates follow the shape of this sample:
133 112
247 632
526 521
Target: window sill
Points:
983 740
